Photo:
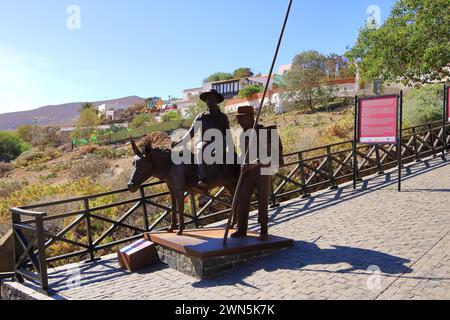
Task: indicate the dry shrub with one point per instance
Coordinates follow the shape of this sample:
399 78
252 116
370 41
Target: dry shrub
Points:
9 186
340 130
90 167
82 152
158 140
5 168
296 138
35 157
112 153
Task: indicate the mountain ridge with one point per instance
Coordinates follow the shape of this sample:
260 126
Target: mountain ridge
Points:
56 115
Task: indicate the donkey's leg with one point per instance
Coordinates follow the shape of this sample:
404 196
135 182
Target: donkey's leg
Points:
173 214
180 210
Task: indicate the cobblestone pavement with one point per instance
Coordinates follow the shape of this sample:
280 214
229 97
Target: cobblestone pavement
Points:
372 243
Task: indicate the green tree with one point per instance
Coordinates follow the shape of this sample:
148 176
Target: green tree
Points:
219 76
87 123
338 66
89 106
242 73
249 91
412 46
25 132
194 110
307 83
141 120
423 105
11 146
171 116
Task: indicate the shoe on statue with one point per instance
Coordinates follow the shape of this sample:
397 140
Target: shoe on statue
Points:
238 234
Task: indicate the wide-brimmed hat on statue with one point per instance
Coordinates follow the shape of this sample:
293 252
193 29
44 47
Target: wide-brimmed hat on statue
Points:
245 111
205 95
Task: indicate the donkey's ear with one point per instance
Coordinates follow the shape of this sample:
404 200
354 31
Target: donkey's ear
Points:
135 148
147 147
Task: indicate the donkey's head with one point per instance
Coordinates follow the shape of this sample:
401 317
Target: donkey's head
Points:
143 166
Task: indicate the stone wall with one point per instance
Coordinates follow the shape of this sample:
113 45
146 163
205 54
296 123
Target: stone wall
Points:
11 290
207 267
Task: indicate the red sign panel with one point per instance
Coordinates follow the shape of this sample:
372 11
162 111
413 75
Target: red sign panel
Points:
448 104
378 120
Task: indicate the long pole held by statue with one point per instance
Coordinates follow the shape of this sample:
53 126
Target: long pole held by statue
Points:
261 105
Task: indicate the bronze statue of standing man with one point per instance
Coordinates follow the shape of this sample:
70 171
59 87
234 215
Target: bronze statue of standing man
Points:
253 178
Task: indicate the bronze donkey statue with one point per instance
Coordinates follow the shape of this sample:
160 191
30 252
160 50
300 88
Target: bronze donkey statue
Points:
182 178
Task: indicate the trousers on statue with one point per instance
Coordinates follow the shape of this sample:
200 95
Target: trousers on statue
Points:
251 181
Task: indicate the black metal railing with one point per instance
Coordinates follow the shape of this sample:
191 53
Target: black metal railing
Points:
304 172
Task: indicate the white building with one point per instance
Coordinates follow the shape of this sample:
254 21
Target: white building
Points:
273 99
111 109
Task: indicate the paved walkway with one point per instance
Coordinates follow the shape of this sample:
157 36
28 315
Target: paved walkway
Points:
372 243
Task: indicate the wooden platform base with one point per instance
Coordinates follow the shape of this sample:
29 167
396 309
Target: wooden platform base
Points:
201 253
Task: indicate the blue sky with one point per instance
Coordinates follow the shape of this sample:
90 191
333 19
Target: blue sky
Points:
156 48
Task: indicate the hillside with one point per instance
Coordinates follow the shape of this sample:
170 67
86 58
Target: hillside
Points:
62 115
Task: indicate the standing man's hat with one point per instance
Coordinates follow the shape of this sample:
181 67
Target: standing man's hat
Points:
219 98
245 111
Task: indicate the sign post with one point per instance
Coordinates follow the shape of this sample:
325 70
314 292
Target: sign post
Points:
399 143
445 120
378 120
355 142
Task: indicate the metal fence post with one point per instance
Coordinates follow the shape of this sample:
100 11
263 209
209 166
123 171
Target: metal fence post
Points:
87 215
15 218
303 176
273 197
144 208
194 209
41 254
355 144
330 170
430 127
444 122
416 151
377 153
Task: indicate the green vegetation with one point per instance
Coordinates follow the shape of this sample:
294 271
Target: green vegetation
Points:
141 120
171 116
236 74
250 90
25 132
86 125
219 76
423 105
413 45
195 109
34 159
308 83
11 146
17 193
242 73
125 134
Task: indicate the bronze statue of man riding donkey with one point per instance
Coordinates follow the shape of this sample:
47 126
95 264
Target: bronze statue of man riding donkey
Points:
199 177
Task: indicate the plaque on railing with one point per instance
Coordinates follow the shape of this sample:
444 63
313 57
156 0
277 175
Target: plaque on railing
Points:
377 120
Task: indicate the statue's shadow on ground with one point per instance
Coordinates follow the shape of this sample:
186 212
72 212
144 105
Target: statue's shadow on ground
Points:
309 257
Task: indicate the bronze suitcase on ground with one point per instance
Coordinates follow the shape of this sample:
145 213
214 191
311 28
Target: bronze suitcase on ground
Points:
137 255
